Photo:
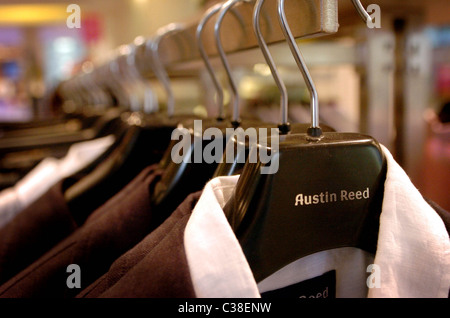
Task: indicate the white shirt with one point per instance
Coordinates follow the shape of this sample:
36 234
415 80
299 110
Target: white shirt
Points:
412 257
47 173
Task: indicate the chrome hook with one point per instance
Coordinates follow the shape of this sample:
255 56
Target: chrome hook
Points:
217 27
219 89
361 11
315 131
284 125
158 67
149 99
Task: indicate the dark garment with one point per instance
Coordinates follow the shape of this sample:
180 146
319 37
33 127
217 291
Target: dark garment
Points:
34 231
156 267
123 194
42 225
111 231
444 214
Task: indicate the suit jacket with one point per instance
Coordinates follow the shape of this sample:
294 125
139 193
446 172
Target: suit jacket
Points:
34 231
42 225
109 232
155 268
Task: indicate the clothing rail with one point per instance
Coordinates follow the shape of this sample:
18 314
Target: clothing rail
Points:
308 18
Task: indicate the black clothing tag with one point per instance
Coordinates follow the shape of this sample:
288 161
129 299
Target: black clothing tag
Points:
323 286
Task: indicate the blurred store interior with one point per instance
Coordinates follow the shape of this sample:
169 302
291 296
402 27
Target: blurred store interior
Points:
392 82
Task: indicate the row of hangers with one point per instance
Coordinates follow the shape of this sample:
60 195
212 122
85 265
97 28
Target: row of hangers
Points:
270 224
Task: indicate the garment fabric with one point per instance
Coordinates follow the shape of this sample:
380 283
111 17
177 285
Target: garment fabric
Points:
34 231
154 268
46 174
44 224
412 256
109 232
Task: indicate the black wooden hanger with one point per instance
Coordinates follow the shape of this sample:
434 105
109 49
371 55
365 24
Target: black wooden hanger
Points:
326 193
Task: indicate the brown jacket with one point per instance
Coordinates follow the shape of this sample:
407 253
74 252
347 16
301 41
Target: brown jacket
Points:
109 232
155 268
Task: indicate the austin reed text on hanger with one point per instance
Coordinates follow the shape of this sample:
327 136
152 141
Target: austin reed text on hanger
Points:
326 197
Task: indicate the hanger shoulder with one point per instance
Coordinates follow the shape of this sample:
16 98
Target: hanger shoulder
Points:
324 195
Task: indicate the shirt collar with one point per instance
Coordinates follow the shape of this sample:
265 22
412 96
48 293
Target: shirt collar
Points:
413 251
216 261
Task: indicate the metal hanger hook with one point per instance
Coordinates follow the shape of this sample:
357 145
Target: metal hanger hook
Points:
361 11
284 125
158 67
217 27
116 81
314 131
201 26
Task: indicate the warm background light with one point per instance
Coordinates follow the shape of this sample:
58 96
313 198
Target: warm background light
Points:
32 14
